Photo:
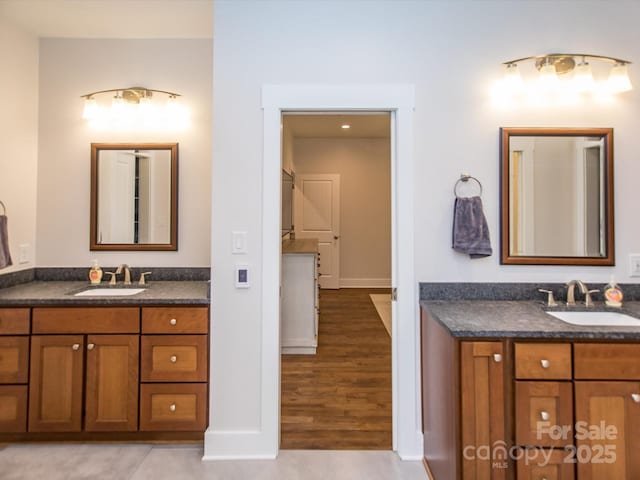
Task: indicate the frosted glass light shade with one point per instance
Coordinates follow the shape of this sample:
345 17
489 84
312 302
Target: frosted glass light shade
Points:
512 79
583 78
619 79
90 109
548 77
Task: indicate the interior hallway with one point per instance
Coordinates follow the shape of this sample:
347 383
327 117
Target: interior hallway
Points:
340 398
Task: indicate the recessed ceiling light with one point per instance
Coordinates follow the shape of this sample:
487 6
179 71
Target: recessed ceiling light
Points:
345 126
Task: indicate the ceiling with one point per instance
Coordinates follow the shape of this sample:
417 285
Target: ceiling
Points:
111 18
322 125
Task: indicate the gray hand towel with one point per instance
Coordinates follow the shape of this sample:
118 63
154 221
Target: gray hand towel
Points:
470 230
5 254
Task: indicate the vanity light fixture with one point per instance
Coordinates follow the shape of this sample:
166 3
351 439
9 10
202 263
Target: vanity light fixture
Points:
135 107
346 126
564 75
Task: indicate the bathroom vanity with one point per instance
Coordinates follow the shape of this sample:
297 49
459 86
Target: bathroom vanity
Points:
104 368
510 392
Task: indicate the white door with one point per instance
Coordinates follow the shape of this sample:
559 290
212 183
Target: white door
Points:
317 215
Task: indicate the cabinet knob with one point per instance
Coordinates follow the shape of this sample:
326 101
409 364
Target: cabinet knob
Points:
497 357
636 397
173 321
172 407
90 346
173 359
545 363
544 415
75 346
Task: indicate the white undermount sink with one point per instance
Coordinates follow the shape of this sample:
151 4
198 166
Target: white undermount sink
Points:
109 292
597 319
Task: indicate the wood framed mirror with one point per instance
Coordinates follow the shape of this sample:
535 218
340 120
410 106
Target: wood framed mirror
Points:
134 196
556 196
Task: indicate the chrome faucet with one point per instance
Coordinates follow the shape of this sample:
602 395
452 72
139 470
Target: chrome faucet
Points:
127 273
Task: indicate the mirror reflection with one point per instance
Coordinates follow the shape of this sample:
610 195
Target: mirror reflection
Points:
134 197
557 196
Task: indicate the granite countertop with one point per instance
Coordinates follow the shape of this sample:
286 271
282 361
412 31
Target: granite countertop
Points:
522 319
62 293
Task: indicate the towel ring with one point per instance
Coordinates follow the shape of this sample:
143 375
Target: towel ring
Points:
4 209
465 178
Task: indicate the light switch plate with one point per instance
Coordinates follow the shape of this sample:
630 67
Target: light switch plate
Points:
634 265
24 253
238 242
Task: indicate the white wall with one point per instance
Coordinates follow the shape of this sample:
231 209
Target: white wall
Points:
364 166
70 68
451 52
19 134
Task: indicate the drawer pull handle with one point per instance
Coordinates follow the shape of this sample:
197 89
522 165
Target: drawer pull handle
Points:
544 415
497 357
173 321
75 346
90 346
636 397
545 363
173 359
172 407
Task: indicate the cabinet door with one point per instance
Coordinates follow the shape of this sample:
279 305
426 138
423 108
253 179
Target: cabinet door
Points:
55 386
607 430
14 359
483 411
112 383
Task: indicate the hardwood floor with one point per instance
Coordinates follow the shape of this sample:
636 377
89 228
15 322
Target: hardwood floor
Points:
340 398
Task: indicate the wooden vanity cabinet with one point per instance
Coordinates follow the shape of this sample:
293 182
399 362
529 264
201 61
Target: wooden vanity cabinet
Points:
14 368
464 388
66 397
607 395
175 369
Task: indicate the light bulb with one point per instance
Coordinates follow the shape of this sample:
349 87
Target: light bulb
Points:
619 79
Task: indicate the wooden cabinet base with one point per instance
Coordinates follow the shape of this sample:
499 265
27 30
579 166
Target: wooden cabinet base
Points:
131 437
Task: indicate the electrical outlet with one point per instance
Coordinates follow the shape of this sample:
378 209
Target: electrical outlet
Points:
23 253
634 265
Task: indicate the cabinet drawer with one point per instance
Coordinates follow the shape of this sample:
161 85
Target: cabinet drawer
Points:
179 358
13 408
14 321
173 407
541 406
606 361
543 361
14 359
175 320
538 464
86 320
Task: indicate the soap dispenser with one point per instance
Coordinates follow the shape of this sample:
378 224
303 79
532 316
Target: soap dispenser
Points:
612 294
95 273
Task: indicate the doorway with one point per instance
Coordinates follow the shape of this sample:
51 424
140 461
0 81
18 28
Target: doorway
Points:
399 99
338 395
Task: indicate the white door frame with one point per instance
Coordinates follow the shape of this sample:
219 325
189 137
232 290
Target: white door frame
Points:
399 100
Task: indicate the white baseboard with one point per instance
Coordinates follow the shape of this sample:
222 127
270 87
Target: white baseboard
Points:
365 283
237 445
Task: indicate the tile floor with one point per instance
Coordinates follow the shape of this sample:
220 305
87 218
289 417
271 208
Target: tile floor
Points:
139 462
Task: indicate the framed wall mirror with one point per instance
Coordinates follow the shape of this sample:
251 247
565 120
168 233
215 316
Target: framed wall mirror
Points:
134 196
557 196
